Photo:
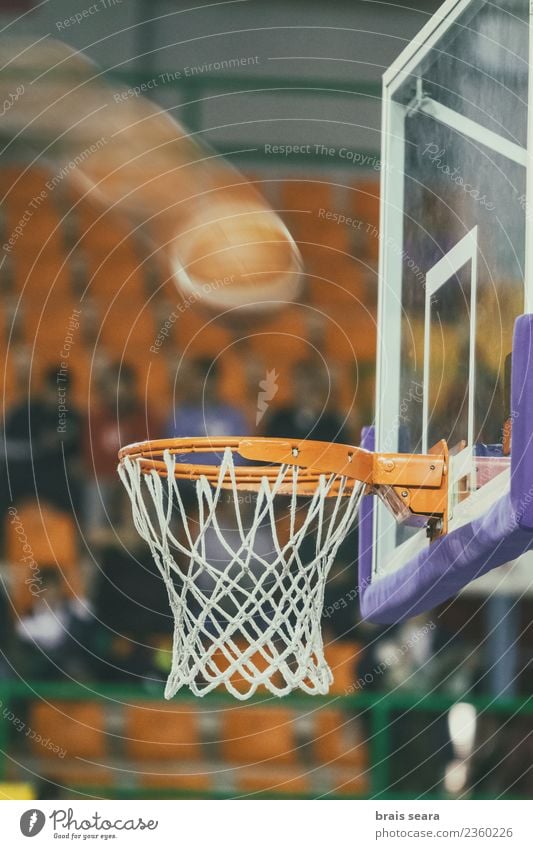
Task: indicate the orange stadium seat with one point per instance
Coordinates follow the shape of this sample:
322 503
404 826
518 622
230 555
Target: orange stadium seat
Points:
51 536
20 180
75 727
337 740
101 230
355 394
6 318
256 734
301 202
115 280
325 237
197 334
233 380
48 275
342 282
222 660
8 378
30 215
282 338
127 331
72 775
351 334
314 221
311 194
346 783
342 657
365 200
365 206
40 242
161 732
48 322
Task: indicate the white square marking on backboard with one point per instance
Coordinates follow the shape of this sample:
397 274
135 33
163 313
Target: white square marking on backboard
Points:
465 251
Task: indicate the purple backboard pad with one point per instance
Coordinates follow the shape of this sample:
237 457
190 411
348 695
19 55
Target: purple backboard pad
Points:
499 536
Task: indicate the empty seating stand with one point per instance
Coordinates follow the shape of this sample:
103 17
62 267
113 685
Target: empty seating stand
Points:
187 748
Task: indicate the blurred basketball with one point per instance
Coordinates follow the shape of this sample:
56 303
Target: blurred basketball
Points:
226 246
236 253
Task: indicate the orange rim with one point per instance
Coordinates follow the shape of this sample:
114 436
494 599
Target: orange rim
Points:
150 456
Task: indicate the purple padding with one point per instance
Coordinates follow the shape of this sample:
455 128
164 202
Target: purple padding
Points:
501 535
522 419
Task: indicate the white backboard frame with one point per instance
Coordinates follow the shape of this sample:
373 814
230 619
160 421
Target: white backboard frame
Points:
387 555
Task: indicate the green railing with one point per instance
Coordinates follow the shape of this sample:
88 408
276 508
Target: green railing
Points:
378 709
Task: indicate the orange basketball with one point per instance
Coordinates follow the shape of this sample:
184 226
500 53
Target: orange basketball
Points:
236 253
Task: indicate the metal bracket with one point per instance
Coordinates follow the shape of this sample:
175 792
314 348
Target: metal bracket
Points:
414 486
416 102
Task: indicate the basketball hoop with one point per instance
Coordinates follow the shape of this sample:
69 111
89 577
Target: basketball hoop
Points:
256 621
246 574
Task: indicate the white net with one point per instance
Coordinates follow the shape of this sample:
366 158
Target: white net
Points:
245 573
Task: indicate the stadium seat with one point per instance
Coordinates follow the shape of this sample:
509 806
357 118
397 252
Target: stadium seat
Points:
53 534
341 281
52 537
101 230
305 195
351 334
47 324
198 335
365 206
127 330
365 200
47 278
282 338
22 181
77 728
346 783
336 740
116 280
233 378
157 731
258 734
221 660
304 204
10 385
342 657
74 775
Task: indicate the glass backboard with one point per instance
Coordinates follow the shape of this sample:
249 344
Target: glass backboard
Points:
453 252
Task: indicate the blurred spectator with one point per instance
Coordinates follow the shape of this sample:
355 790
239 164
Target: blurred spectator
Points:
54 634
502 758
130 596
201 412
118 419
42 442
309 416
